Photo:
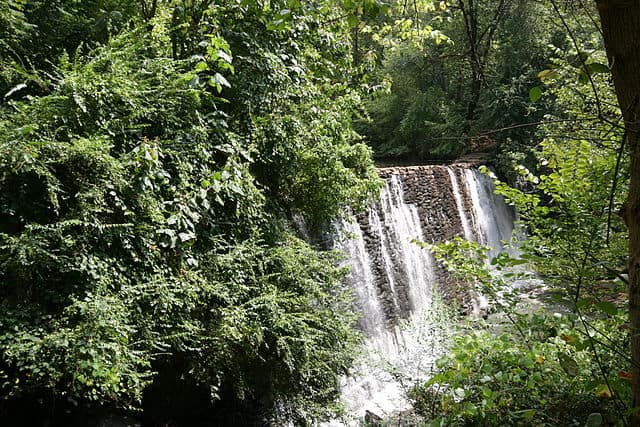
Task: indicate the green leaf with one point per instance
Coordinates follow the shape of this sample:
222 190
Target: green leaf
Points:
527 414
597 68
218 81
583 78
353 21
583 302
225 56
535 93
607 307
594 420
201 66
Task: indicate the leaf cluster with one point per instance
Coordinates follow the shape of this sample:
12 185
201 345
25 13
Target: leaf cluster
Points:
549 378
146 243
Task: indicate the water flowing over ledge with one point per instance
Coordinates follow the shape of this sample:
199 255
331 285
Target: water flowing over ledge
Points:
395 281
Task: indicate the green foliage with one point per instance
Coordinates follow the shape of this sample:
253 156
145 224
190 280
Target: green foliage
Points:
424 114
145 236
570 369
34 34
562 87
476 274
535 369
550 377
414 120
284 327
576 240
569 194
13 28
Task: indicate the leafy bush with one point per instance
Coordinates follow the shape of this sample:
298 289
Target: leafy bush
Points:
536 369
549 376
145 245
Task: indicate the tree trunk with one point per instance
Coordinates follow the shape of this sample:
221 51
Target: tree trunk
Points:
479 44
470 17
621 29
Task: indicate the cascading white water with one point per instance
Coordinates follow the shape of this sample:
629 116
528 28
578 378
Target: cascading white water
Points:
466 225
402 227
405 283
361 278
394 279
495 218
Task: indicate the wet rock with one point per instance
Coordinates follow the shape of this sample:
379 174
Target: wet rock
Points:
373 420
443 200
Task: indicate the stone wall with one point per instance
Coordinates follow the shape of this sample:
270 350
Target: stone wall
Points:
430 189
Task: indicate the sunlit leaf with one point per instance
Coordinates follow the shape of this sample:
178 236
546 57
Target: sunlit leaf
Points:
535 93
604 392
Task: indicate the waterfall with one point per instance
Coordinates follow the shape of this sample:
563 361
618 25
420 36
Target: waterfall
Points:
394 280
466 226
494 216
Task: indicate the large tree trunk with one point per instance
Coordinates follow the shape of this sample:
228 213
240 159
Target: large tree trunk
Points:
621 28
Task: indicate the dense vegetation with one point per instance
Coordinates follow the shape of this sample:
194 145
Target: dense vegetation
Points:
573 368
161 160
153 157
451 97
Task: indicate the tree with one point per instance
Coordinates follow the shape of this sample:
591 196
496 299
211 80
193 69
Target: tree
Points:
479 45
446 92
160 168
620 21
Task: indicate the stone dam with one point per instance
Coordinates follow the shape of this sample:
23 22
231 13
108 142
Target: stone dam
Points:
395 280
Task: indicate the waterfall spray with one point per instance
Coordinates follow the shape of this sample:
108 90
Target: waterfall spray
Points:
396 282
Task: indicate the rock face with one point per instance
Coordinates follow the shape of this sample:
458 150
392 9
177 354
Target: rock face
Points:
433 203
432 190
393 278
